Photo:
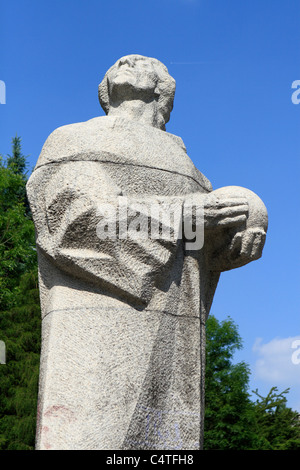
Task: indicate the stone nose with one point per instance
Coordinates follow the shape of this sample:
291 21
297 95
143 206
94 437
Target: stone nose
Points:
126 61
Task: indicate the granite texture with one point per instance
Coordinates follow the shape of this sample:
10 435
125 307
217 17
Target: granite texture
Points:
123 330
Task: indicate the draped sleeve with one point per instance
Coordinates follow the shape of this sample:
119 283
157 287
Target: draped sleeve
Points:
66 229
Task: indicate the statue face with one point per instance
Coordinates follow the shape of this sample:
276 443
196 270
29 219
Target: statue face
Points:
132 74
136 77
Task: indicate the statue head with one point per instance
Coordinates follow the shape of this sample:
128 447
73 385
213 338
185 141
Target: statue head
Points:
138 77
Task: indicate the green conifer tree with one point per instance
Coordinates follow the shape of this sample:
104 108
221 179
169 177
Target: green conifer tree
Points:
19 307
17 161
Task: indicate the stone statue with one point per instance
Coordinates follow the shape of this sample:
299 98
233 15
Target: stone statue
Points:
123 329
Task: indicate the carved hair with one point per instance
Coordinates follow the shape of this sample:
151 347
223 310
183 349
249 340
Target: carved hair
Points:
165 88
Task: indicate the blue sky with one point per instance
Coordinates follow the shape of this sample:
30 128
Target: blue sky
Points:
234 63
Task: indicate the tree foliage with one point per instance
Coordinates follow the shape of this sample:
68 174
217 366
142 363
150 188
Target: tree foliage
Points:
229 420
19 307
232 420
20 330
17 239
278 425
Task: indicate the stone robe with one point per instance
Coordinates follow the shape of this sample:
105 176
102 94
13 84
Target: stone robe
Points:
123 339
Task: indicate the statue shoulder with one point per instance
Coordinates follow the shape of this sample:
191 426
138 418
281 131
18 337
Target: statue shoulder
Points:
70 139
70 130
178 140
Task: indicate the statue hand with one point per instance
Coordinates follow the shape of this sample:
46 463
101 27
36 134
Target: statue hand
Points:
236 222
248 244
220 213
